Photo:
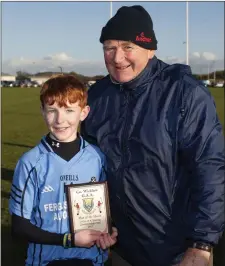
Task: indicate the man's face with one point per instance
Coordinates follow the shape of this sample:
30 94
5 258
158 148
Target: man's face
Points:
63 122
125 60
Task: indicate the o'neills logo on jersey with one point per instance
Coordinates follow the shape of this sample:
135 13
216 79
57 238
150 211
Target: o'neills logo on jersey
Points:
69 178
142 38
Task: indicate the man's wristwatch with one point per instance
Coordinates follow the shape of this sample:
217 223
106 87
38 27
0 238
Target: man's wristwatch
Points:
202 246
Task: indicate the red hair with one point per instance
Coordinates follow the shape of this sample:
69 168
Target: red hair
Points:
62 89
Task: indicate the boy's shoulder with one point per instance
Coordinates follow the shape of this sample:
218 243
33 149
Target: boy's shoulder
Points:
94 150
34 154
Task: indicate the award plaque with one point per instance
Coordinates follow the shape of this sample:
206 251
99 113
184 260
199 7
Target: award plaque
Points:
88 207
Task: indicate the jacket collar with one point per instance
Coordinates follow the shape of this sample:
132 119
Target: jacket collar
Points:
147 74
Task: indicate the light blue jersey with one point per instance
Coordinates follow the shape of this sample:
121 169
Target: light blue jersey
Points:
38 194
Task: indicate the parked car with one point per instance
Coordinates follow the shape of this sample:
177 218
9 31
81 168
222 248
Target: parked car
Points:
26 83
203 83
5 83
207 82
17 83
219 85
35 84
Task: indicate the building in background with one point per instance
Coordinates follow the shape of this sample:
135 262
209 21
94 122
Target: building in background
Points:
6 77
40 80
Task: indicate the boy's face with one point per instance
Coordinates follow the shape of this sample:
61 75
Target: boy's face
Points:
63 122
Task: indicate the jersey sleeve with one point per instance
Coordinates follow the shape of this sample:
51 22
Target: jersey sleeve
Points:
23 190
102 162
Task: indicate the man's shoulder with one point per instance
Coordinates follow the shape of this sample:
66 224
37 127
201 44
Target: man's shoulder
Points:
175 71
99 83
182 75
98 87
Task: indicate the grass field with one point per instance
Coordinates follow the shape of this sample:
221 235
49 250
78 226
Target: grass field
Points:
22 127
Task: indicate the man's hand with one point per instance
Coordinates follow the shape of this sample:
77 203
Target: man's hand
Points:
86 238
107 240
195 257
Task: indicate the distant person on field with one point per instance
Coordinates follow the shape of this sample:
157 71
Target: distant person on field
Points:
164 147
38 202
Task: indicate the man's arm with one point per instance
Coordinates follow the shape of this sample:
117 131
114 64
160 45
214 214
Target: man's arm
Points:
201 145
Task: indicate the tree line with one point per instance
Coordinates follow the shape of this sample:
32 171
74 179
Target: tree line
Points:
219 75
21 75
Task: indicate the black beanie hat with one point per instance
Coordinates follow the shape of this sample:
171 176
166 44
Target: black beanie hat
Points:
131 23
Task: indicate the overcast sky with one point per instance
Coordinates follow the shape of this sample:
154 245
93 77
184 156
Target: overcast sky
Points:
41 36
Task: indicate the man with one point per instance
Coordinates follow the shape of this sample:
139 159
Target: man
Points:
159 130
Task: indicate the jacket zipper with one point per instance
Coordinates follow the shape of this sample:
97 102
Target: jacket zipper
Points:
124 149
124 146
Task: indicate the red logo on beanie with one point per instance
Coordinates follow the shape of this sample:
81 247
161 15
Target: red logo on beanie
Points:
142 38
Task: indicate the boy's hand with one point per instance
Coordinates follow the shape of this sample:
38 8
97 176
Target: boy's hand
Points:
107 240
86 238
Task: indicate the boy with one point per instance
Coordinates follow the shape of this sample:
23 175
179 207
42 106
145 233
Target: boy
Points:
38 203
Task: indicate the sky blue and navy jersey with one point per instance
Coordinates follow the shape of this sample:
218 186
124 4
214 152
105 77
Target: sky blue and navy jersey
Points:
38 194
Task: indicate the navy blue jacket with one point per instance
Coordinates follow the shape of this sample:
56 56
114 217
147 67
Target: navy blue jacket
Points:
165 153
